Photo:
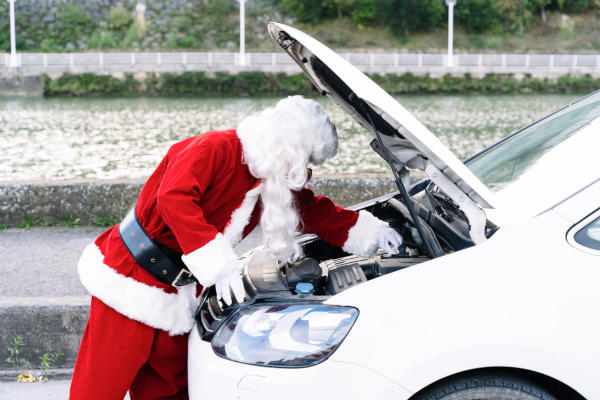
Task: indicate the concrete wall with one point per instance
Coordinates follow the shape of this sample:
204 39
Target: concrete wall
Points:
50 202
543 65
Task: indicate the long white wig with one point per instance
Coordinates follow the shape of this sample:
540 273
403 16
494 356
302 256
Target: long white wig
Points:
278 144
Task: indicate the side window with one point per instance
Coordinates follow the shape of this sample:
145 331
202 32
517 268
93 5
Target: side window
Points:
589 235
585 235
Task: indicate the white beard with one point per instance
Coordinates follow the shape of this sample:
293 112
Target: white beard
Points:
279 220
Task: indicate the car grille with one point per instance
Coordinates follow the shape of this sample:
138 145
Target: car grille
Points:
210 315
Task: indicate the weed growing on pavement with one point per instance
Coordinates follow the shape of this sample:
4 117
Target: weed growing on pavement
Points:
3 225
70 221
46 224
14 354
46 362
26 223
106 220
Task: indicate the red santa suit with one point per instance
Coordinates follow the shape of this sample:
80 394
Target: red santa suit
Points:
200 202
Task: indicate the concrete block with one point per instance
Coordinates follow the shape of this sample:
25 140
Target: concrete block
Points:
563 60
539 60
197 58
44 329
86 59
383 59
145 58
586 60
491 60
32 59
515 60
56 59
116 59
260 58
171 58
359 59
468 59
408 59
433 59
223 58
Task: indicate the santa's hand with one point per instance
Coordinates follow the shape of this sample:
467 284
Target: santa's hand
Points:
389 240
230 281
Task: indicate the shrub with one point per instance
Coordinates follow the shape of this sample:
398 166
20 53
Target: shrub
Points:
119 18
476 15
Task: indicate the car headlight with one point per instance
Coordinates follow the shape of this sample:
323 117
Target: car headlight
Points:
289 335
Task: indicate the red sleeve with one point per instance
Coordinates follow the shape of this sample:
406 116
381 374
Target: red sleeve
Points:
356 232
319 215
188 174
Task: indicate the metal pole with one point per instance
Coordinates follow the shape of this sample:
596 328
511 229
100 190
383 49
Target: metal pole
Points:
13 62
242 33
450 33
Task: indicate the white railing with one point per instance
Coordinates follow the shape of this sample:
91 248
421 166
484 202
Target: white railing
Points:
131 62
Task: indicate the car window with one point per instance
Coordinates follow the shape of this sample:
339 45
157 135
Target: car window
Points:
589 235
508 160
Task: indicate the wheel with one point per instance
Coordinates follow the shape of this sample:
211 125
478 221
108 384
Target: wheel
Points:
485 387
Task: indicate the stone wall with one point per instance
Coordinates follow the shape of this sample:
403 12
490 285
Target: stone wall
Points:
88 201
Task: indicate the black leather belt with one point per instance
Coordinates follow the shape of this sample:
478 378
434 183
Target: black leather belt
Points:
153 257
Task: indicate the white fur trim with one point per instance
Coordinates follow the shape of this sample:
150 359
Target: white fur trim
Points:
241 216
362 237
210 260
171 312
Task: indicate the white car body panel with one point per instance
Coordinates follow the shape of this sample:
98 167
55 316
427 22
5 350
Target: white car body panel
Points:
523 299
212 377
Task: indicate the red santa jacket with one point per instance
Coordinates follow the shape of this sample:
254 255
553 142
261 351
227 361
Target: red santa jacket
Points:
201 201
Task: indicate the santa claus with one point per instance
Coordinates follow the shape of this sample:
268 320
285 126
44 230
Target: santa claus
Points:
207 193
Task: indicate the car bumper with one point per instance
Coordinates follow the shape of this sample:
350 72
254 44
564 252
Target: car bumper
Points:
211 376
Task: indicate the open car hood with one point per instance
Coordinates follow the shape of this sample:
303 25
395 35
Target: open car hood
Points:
410 143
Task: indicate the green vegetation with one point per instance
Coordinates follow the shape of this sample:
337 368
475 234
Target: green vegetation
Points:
27 222
499 25
260 83
14 353
69 221
47 361
3 225
106 220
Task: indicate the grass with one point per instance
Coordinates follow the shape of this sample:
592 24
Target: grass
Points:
106 220
69 221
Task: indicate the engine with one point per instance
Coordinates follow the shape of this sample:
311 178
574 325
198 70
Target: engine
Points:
264 277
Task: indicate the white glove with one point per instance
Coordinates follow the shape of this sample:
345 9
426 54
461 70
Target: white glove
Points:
230 281
389 240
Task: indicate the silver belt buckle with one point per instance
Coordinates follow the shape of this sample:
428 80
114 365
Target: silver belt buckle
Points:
184 273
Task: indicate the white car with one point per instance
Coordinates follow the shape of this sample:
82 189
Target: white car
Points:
496 294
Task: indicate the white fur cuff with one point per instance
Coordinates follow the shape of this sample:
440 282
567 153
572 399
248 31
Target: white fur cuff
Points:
362 237
210 260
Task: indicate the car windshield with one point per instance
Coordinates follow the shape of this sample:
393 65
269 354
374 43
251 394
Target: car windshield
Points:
508 161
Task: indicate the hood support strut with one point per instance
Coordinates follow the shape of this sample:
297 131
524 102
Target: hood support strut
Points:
475 215
428 246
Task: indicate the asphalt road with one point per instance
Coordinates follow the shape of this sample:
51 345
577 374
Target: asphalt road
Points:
39 264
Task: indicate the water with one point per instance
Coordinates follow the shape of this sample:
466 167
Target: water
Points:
101 138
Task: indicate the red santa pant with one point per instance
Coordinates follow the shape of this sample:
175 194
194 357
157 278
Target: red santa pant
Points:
119 354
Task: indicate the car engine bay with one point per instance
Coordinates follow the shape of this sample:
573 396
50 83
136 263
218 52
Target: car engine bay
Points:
326 270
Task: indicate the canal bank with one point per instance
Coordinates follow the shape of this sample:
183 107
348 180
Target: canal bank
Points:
258 83
104 203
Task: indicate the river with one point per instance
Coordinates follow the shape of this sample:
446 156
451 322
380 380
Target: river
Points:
108 138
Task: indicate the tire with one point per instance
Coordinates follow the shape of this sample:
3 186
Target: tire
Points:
485 387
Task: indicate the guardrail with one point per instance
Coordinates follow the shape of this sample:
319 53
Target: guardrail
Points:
417 63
